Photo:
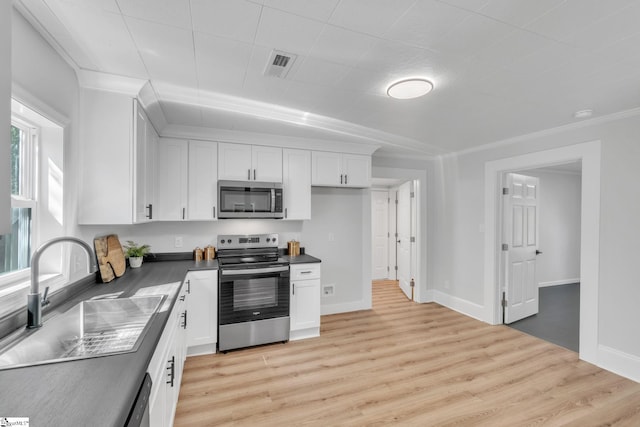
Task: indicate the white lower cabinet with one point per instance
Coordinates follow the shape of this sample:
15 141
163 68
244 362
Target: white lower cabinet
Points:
167 363
305 301
202 329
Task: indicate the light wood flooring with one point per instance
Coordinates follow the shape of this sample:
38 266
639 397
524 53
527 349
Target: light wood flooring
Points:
404 363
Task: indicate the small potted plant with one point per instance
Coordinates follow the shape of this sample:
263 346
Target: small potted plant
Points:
135 252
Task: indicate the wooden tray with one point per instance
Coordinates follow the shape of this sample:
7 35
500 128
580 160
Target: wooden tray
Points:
110 256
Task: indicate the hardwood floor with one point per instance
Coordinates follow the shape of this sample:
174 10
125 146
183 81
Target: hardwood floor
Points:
409 364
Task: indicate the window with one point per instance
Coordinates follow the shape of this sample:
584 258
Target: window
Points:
15 248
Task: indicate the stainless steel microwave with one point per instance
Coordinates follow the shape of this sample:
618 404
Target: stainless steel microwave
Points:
249 199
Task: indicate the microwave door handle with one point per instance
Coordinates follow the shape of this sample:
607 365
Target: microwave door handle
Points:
273 200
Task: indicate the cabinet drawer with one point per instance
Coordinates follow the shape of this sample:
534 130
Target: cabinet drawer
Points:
305 271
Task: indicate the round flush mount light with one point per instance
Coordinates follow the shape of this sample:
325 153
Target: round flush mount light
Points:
410 88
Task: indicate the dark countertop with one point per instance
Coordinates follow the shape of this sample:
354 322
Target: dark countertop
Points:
301 259
98 391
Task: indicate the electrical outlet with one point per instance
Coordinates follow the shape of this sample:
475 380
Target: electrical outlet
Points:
332 237
178 242
327 290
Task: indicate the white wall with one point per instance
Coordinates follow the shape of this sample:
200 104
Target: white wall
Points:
460 230
560 201
5 117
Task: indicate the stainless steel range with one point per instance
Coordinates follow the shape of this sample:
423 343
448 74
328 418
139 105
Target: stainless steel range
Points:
253 287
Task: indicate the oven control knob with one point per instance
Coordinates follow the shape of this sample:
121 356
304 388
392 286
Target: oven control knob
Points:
229 241
268 240
222 241
273 240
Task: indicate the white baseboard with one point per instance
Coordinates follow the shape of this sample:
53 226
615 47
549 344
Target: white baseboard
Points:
428 296
344 307
621 363
460 305
304 334
559 282
198 350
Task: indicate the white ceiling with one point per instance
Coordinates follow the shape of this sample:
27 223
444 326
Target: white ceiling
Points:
501 68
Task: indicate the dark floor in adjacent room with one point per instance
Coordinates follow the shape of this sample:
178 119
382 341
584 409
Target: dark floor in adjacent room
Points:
558 320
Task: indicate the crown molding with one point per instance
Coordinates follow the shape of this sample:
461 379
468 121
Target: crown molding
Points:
551 131
110 82
239 137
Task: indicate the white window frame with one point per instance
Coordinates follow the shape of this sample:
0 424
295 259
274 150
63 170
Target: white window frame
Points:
11 281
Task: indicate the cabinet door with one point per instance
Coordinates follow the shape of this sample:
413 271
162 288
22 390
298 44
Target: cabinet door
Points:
203 180
267 164
140 175
234 162
150 173
107 131
202 327
326 168
296 182
172 180
356 170
305 304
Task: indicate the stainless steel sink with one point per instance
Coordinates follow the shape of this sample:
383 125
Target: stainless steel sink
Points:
91 328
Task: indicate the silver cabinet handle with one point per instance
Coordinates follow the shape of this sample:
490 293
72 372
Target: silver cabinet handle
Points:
306 272
345 179
254 174
214 211
294 288
285 212
150 209
183 212
340 179
249 174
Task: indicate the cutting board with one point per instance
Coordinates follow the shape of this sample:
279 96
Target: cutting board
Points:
110 256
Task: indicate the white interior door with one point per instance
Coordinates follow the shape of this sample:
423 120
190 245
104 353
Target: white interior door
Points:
380 234
393 230
404 238
520 233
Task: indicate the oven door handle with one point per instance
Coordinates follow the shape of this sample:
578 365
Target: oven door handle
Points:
246 271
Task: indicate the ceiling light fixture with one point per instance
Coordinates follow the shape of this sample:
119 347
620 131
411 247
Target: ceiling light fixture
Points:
410 88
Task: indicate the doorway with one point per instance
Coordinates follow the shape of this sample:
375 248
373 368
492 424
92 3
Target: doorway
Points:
394 230
589 153
555 254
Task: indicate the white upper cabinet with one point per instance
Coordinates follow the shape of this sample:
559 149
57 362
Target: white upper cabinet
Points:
340 170
357 170
115 158
203 180
241 162
146 143
296 182
234 161
266 163
172 176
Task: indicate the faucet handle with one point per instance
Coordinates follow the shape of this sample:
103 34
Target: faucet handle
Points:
45 301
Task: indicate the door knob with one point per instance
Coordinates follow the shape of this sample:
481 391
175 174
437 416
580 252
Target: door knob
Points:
538 252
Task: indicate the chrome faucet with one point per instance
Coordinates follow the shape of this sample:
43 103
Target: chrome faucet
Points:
34 300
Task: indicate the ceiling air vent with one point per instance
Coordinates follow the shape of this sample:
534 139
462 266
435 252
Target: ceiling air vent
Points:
279 64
